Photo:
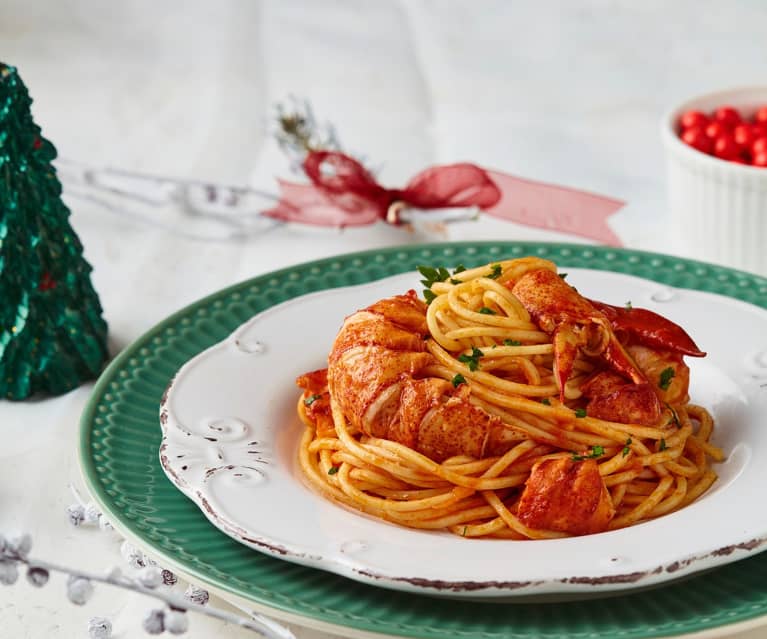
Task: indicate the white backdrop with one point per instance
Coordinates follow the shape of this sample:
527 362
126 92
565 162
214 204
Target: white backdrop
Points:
557 91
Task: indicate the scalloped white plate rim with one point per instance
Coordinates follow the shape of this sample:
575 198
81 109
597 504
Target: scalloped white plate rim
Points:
230 436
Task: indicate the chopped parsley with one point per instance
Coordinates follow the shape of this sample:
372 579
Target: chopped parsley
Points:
458 380
627 447
463 534
512 342
472 361
581 412
662 445
629 306
563 276
311 399
546 401
596 451
486 311
496 272
666 375
432 275
333 470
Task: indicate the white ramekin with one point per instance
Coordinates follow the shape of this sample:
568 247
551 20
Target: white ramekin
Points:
718 208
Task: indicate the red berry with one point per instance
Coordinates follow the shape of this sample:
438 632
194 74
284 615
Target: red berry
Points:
760 159
696 137
743 134
716 130
690 119
728 116
759 146
761 115
726 148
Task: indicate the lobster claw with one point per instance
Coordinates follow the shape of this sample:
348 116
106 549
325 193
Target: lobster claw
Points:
645 327
593 338
617 357
575 323
566 345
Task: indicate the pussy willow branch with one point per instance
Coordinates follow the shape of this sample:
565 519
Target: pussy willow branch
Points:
173 600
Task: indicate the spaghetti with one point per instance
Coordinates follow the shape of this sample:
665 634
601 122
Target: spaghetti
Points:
477 428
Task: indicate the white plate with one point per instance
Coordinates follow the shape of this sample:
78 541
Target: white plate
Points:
230 437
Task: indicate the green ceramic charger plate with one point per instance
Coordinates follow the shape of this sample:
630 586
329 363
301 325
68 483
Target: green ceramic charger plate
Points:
120 437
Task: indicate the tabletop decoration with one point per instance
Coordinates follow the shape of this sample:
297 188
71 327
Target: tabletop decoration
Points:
716 155
147 572
343 192
52 334
15 552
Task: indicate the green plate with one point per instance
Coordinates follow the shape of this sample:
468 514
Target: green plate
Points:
120 438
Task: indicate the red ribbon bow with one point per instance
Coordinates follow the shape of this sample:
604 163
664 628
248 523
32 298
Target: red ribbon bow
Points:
343 193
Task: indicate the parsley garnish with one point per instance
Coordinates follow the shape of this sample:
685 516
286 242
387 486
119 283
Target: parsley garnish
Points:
439 274
458 269
563 275
458 380
496 272
311 399
626 448
580 412
596 451
472 361
430 276
666 375
546 401
463 534
628 305
512 342
333 470
486 311
662 445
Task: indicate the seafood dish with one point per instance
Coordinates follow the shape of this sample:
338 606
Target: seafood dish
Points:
506 403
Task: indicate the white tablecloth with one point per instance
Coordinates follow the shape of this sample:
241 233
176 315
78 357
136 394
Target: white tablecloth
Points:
562 92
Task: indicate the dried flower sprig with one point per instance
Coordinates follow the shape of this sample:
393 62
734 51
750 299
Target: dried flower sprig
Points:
14 552
298 131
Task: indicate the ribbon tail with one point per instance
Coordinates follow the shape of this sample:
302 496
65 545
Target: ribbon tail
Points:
556 208
308 204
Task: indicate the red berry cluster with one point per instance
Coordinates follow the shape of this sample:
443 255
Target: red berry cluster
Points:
727 135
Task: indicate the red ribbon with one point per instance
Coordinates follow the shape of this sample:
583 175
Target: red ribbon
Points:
343 193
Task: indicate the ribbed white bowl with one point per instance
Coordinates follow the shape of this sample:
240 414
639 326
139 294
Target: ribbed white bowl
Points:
718 208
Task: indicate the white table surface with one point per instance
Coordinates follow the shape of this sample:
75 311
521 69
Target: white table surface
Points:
563 92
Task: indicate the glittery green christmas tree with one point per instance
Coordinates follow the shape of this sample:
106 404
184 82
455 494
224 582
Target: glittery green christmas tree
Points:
52 334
